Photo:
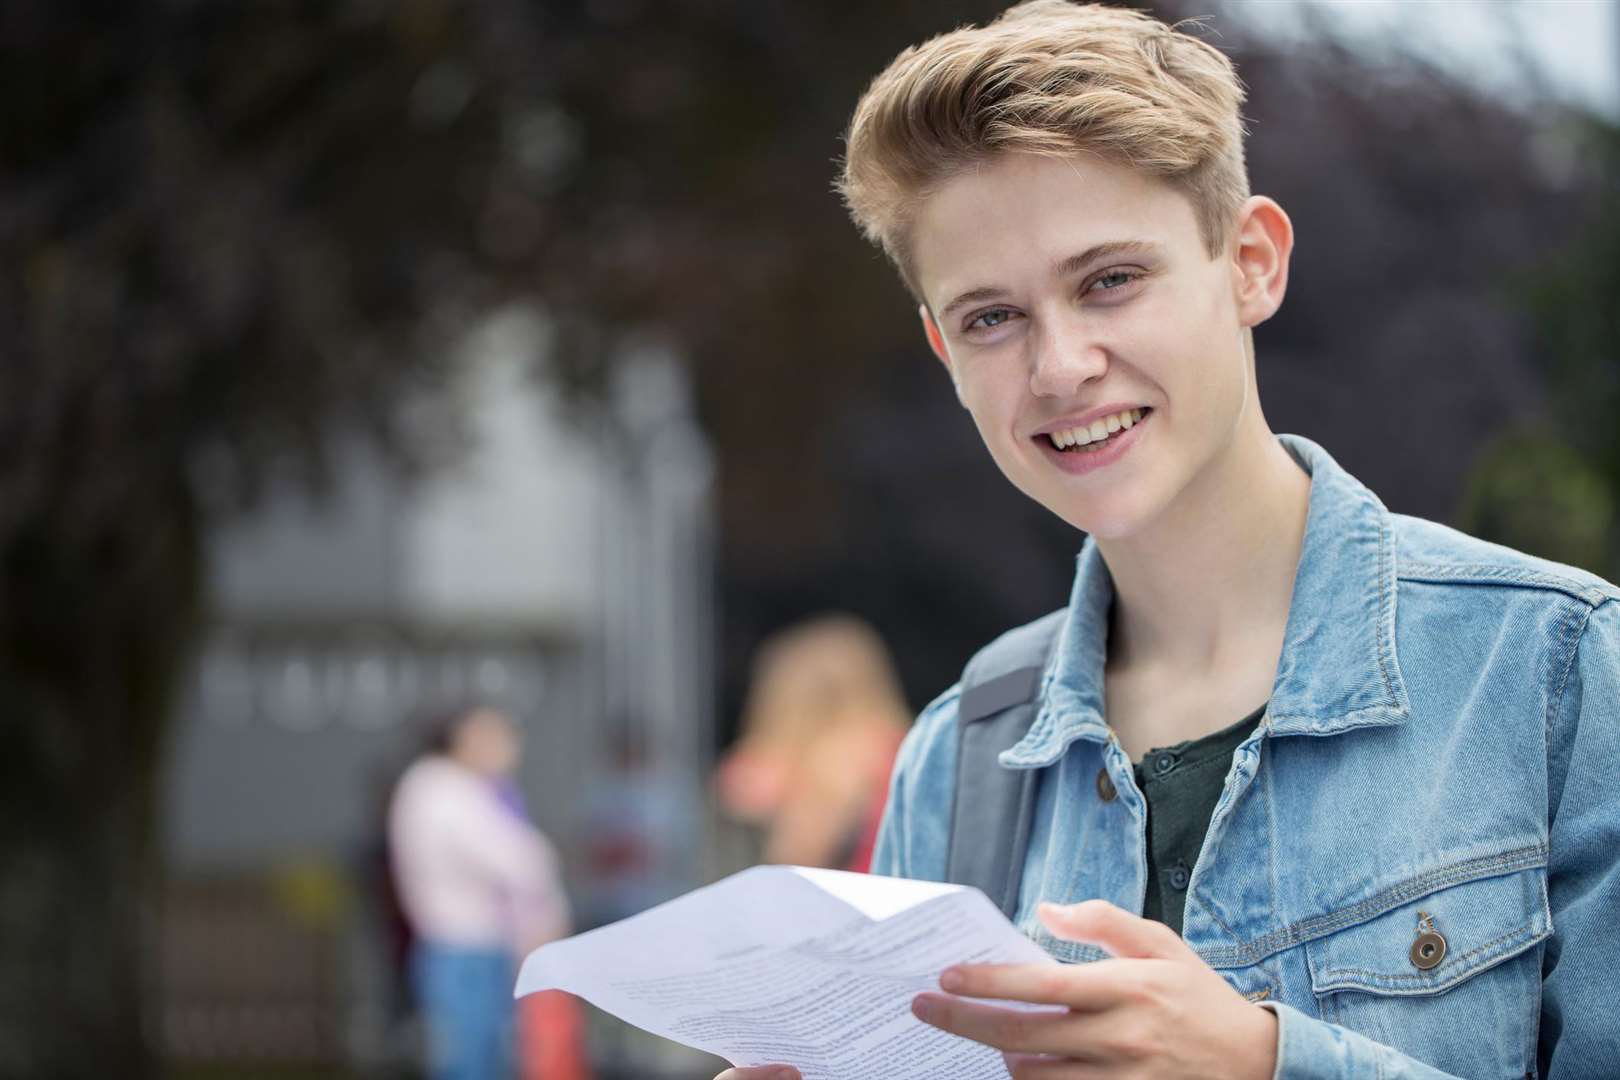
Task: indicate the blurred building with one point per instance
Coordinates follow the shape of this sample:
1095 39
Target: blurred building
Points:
561 569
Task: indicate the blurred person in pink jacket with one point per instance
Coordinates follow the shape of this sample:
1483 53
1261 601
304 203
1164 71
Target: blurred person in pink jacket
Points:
479 884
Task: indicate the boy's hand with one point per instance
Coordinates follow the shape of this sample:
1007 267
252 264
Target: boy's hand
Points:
760 1072
1155 1009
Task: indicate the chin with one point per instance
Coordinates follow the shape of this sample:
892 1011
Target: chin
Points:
1109 528
1107 519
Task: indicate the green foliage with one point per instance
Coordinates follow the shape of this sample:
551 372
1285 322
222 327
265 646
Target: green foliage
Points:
1554 490
1576 304
1533 491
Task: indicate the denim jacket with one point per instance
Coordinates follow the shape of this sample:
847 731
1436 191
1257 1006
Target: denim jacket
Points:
1441 751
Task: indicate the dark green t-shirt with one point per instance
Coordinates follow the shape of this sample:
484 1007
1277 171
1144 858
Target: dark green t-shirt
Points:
1182 784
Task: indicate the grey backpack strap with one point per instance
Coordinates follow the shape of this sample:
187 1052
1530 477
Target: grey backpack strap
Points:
994 806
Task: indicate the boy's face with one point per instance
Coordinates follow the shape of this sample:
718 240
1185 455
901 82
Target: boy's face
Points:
1059 290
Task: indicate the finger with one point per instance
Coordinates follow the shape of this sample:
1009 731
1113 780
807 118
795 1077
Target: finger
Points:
761 1072
1097 922
1116 1041
1050 1067
1022 1030
1087 987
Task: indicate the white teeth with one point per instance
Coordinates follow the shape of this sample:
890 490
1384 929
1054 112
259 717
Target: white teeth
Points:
1070 437
1096 431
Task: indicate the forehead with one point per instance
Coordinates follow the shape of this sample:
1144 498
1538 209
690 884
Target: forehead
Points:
1008 221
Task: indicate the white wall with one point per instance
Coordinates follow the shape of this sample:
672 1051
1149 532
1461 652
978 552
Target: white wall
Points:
508 535
563 573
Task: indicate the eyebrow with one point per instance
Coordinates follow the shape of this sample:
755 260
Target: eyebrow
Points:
1063 268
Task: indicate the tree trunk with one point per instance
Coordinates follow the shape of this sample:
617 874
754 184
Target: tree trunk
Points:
94 634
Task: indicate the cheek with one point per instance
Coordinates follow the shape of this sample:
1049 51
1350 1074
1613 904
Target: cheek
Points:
995 412
992 403
1200 363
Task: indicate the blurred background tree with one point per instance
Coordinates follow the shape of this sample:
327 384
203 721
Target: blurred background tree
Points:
1533 491
234 232
1553 489
238 232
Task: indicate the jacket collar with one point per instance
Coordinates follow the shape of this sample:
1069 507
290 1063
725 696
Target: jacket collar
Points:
1339 668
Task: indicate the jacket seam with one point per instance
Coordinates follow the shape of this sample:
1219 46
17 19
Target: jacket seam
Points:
1523 858
1406 979
1220 922
1573 637
1509 576
1531 1052
1333 725
1384 633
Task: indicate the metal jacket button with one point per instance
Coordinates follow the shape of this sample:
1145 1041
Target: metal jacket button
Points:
1430 946
1428 950
1105 785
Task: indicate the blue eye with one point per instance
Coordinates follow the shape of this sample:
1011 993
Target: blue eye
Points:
1113 280
991 319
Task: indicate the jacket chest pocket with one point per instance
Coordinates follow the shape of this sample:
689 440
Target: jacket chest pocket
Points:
1452 978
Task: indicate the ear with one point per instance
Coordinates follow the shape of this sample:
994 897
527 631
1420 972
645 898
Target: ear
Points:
1261 246
930 331
936 340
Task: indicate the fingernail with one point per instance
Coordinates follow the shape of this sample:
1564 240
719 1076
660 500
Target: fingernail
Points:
950 979
785 1074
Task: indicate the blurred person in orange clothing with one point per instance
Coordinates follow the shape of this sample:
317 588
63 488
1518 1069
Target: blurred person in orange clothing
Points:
821 726
479 885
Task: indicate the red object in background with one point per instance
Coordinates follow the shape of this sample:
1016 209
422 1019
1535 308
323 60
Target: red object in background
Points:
551 1037
860 859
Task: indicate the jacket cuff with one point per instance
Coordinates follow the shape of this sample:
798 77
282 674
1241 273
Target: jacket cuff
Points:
1311 1049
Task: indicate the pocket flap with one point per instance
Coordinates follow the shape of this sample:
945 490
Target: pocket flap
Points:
1483 923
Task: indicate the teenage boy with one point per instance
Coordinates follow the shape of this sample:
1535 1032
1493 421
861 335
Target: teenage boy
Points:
1357 769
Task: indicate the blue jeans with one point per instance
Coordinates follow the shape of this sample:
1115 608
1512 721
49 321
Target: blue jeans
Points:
466 1001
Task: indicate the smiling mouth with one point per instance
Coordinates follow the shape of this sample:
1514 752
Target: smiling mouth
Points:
1089 440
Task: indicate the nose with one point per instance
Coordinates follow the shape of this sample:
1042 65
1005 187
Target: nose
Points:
1065 358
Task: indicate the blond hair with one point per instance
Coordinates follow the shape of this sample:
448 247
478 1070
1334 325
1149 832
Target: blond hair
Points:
1053 78
819 675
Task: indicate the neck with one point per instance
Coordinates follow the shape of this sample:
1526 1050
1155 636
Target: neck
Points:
1207 585
468 763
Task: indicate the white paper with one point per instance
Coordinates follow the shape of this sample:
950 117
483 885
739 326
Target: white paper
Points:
810 968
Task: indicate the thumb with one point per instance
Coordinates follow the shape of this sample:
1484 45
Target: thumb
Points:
1114 930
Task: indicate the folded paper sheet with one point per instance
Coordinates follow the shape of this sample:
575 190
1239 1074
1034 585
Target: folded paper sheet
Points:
812 968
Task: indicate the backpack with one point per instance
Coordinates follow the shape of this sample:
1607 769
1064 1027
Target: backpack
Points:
994 807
